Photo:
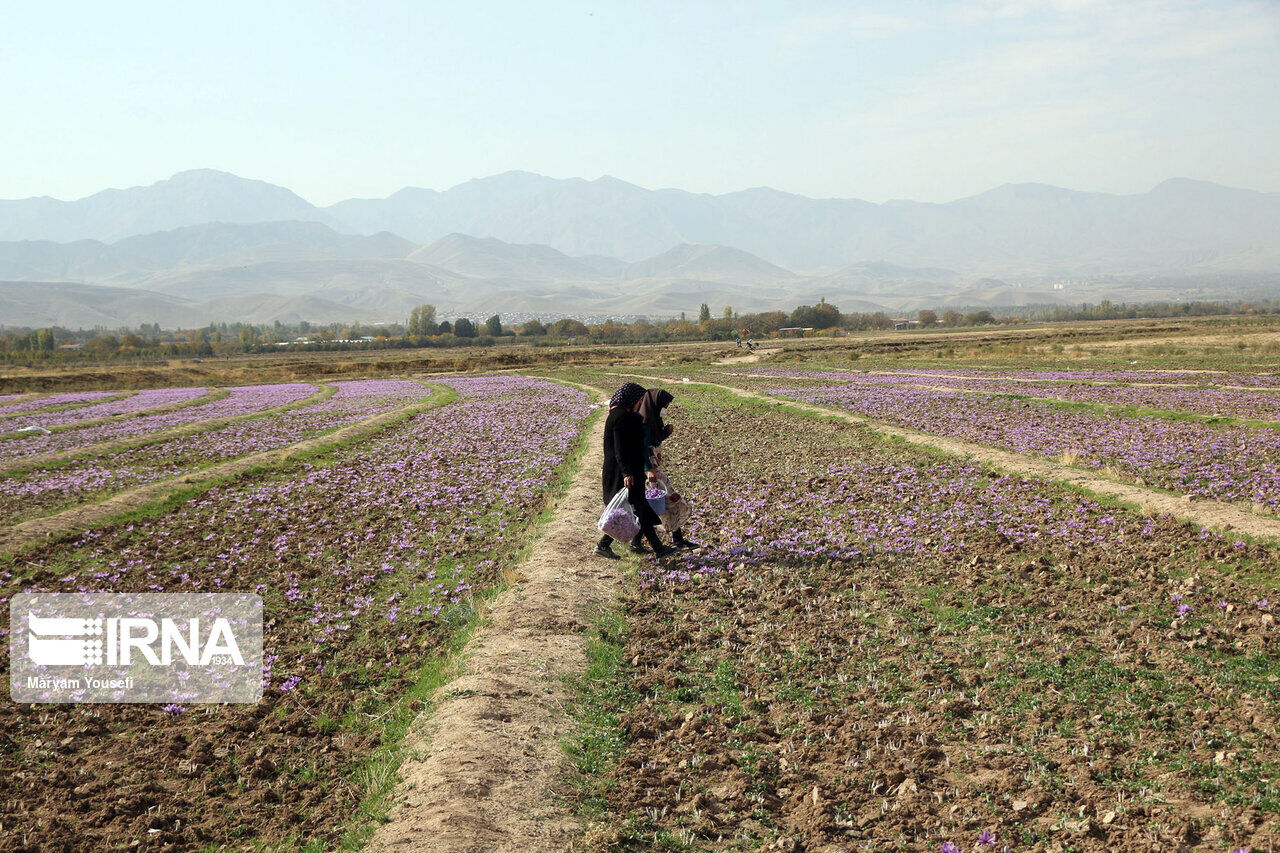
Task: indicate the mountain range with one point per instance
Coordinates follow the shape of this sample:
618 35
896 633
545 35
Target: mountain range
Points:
206 244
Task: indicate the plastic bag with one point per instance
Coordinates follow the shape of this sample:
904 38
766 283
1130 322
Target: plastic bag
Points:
677 511
619 519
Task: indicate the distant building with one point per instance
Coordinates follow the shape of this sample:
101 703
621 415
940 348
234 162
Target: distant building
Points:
70 346
900 323
794 331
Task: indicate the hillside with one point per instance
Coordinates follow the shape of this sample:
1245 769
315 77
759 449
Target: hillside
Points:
490 258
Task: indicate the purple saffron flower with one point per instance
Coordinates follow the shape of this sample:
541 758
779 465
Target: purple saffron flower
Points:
986 838
173 709
948 847
1183 610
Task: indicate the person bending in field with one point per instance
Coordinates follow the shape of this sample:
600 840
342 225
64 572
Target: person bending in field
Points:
653 411
624 455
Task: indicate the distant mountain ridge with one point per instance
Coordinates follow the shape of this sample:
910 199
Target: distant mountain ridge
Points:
1015 229
524 243
194 197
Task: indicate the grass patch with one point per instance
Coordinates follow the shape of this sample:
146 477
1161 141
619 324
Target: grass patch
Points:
600 697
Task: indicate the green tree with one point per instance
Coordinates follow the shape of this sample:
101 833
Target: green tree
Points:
927 318
704 313
104 345
446 328
952 318
422 321
568 328
533 327
464 328
493 326
820 316
44 341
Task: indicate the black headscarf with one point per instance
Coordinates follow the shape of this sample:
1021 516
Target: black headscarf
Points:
626 396
655 400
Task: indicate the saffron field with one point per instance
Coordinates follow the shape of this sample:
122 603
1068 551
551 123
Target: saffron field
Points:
241 400
368 561
1219 461
879 647
42 489
883 648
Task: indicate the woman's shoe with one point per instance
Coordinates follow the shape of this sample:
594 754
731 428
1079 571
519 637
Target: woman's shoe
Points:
681 542
664 551
606 552
637 549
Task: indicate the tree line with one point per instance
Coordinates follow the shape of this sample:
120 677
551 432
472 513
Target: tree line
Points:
423 328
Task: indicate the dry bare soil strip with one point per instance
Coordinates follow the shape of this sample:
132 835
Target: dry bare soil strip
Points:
490 752
322 392
748 358
81 518
1207 513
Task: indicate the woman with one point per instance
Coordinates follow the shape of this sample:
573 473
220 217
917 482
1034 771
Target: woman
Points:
653 411
624 457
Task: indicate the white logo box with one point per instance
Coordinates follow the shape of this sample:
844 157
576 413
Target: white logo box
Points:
170 648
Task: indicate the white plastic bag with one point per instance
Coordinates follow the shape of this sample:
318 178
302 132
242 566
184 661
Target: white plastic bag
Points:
619 519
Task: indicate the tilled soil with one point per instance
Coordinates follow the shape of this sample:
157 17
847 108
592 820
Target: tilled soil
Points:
884 650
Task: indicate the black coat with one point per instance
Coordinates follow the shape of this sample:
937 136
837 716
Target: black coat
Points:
624 455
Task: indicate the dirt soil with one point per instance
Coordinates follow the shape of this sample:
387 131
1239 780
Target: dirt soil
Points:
749 358
1212 514
490 751
78 519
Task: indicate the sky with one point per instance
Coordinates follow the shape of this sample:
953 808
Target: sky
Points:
922 100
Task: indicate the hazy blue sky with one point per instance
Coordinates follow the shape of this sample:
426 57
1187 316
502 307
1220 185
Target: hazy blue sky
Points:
930 101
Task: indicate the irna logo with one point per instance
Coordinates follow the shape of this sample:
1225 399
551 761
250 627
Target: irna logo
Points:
118 641
135 647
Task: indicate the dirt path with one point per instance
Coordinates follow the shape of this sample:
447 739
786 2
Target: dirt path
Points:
490 753
1213 514
88 516
749 358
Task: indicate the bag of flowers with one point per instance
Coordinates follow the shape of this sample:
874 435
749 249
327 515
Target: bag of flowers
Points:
618 519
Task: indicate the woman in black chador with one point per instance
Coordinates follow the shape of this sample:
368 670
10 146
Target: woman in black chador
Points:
624 458
653 411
